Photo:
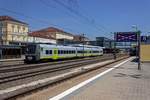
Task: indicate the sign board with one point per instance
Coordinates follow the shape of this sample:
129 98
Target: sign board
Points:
144 38
126 37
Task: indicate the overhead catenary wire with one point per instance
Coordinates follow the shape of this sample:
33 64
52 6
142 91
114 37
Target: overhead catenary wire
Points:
89 21
35 19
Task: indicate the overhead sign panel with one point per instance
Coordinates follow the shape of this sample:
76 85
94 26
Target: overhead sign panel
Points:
126 37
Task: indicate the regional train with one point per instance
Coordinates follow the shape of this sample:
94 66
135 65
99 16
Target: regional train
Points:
38 52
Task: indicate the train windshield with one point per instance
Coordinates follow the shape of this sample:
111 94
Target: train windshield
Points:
31 49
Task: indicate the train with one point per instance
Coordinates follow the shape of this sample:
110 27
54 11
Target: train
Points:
38 52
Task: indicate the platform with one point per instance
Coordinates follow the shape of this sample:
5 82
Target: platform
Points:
122 83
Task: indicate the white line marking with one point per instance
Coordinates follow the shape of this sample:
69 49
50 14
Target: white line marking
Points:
74 88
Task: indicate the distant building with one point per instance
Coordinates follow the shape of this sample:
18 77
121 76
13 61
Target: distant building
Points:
93 43
52 33
104 42
80 39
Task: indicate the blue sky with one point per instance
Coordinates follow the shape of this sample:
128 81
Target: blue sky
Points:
92 17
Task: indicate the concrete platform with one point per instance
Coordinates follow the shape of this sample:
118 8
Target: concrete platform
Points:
123 83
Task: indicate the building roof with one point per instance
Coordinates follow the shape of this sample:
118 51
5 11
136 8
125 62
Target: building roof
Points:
49 33
53 29
8 18
41 34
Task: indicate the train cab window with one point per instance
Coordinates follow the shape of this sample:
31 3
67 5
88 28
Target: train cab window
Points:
31 49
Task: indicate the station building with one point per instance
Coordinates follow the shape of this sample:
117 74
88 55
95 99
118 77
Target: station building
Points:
52 33
14 36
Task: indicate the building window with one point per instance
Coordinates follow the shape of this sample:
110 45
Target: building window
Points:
23 29
13 28
18 27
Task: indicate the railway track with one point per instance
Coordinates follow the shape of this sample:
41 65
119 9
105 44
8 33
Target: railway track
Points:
13 66
29 74
7 75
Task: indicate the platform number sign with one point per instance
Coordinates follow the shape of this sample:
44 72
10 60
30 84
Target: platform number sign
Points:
126 36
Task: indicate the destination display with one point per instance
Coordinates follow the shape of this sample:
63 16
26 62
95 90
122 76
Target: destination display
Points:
126 36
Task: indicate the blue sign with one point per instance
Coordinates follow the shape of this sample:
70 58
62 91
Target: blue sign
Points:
126 37
144 38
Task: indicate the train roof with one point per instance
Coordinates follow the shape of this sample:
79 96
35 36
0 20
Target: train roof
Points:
68 46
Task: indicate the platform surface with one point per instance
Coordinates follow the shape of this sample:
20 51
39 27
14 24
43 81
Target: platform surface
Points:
122 83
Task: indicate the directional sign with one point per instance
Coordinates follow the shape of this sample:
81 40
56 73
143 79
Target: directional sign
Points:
126 37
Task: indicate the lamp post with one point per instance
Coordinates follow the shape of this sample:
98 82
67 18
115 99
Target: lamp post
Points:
1 42
114 52
138 43
83 43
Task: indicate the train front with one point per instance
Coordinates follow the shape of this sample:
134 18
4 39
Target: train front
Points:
32 53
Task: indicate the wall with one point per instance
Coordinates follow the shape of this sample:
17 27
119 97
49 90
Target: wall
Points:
145 52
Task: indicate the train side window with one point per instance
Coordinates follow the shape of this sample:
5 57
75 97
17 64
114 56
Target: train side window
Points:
70 51
50 51
46 51
61 51
58 51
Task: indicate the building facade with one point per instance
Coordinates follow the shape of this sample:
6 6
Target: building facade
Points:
52 33
14 38
12 30
15 32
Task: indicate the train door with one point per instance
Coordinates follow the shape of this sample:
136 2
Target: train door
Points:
55 53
